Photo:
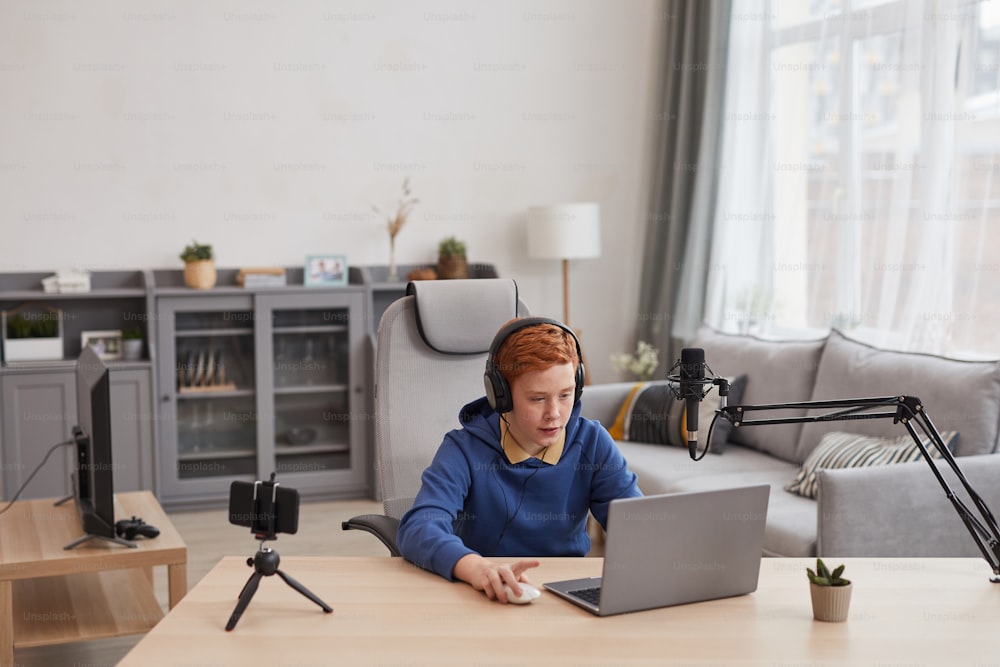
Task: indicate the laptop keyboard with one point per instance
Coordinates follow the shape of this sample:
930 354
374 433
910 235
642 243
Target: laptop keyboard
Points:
591 595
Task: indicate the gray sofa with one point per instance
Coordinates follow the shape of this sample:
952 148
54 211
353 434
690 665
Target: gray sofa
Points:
891 510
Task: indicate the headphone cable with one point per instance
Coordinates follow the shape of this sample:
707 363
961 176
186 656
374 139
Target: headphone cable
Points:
509 519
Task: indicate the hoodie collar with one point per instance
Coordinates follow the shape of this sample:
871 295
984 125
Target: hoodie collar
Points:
516 454
483 422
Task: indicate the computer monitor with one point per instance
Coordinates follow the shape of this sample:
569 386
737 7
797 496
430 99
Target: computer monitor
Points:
92 479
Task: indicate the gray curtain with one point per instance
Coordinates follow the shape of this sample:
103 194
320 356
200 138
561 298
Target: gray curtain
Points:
679 225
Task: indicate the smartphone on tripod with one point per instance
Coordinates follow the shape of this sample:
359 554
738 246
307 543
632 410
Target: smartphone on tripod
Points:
266 508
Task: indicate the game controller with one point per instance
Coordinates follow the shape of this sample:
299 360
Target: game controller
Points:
131 528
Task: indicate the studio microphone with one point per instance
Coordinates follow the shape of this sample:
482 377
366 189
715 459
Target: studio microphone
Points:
692 377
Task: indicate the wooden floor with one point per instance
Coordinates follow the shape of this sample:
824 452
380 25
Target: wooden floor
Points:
209 537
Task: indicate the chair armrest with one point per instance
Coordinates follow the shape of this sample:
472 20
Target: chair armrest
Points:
901 510
381 526
603 401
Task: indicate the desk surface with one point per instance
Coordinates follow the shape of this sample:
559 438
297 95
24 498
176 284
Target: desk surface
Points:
386 611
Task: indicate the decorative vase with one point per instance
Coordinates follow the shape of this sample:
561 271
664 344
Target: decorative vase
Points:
452 267
200 274
830 603
393 275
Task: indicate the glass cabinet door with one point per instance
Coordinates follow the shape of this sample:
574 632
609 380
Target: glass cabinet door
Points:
215 380
311 367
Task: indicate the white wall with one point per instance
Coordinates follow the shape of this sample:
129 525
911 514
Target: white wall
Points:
268 129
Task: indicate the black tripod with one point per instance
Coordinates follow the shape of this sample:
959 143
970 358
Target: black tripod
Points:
265 563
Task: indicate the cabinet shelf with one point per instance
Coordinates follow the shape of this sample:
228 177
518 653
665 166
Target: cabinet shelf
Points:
184 395
203 333
41 295
316 448
310 389
312 329
216 454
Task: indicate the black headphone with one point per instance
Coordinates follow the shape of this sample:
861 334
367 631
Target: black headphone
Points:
497 388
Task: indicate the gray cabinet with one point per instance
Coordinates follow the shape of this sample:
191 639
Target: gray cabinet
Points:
38 397
255 382
39 411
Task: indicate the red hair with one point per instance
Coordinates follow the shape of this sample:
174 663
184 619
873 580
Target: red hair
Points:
535 348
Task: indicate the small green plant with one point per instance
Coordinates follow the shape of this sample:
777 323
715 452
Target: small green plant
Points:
195 252
451 247
823 577
132 333
32 326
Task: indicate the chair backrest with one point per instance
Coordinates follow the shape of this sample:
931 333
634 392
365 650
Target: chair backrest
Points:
429 362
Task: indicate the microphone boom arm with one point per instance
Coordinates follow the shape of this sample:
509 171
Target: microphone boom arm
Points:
907 410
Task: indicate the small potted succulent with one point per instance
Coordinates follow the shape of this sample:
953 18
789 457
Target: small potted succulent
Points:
830 592
132 344
451 259
199 266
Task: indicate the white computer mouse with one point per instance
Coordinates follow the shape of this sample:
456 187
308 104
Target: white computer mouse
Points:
528 594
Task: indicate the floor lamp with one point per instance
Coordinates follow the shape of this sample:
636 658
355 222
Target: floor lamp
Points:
565 232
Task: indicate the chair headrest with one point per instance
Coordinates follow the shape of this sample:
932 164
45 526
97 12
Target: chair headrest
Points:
463 316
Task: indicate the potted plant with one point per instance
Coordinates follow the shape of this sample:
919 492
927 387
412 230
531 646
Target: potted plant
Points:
132 344
451 259
32 332
199 266
830 592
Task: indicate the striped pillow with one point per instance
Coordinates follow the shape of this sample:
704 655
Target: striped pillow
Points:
848 450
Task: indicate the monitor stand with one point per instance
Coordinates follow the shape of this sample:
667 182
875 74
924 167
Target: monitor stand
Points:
90 536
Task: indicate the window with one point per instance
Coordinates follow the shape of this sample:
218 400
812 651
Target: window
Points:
860 186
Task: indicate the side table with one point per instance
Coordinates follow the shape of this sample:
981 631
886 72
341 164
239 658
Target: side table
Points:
49 595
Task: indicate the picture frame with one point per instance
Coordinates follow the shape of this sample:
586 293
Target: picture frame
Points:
107 343
325 270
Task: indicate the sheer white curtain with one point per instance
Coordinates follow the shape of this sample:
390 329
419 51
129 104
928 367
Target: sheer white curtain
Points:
859 189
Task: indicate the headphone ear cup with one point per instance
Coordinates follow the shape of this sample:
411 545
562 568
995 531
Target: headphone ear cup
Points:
497 389
581 378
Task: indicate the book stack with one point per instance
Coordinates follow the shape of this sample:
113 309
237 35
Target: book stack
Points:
262 277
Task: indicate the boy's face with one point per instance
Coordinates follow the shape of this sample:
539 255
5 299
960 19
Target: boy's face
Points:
543 401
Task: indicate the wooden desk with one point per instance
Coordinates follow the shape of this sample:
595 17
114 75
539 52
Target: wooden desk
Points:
917 611
49 595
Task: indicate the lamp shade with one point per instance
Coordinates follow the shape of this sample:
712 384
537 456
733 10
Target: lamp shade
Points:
566 231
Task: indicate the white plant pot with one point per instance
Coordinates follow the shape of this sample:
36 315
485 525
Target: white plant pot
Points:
132 349
32 349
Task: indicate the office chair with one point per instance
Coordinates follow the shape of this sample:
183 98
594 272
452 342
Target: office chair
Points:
429 361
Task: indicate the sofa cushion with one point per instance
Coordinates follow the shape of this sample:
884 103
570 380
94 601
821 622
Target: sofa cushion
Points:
958 395
849 450
777 372
669 469
791 520
652 414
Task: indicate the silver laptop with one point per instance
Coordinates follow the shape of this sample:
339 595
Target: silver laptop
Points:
675 549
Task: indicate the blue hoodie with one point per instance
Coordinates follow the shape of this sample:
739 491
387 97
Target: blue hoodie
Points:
472 500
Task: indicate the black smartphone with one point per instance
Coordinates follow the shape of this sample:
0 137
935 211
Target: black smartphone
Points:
266 508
